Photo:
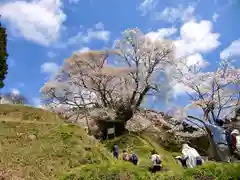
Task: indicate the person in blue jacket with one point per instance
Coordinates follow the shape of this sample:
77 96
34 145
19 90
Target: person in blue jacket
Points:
134 159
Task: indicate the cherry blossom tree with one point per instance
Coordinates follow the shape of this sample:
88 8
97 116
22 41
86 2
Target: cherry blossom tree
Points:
80 83
217 94
118 79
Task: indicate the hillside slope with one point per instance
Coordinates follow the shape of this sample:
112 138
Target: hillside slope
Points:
142 146
36 144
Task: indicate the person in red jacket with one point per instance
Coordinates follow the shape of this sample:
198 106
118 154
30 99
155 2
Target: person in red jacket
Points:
235 142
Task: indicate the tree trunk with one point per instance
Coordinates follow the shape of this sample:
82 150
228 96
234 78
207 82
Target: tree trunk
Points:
206 112
214 151
141 97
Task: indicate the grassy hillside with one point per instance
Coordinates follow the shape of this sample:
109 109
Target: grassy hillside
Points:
45 148
39 145
142 146
27 113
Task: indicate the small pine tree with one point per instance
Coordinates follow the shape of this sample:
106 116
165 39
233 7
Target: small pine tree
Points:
3 55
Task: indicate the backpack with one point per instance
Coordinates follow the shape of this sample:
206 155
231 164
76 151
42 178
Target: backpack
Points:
134 158
158 160
238 142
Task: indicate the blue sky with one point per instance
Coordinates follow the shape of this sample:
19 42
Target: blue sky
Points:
42 33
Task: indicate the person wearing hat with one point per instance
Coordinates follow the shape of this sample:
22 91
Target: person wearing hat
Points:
236 142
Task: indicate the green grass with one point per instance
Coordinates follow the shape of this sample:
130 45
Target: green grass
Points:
209 171
142 146
61 151
57 146
27 113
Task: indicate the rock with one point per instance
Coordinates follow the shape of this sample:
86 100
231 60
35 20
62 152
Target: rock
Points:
19 134
32 137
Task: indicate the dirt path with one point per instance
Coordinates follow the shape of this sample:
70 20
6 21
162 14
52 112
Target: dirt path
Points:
169 159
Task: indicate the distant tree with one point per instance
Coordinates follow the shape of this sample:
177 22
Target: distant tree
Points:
13 98
3 55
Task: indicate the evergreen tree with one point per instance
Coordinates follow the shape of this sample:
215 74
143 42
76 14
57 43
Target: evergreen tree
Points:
3 55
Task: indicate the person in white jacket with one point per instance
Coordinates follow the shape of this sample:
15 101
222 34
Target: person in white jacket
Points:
193 157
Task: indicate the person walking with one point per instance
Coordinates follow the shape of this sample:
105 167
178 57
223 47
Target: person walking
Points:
115 151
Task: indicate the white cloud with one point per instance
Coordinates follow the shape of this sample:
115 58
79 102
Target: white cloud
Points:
84 49
215 17
51 54
50 67
38 21
197 60
180 89
231 51
94 34
171 15
162 33
196 37
147 6
90 34
15 91
99 25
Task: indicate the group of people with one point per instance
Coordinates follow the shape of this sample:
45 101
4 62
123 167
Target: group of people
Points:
190 158
133 158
